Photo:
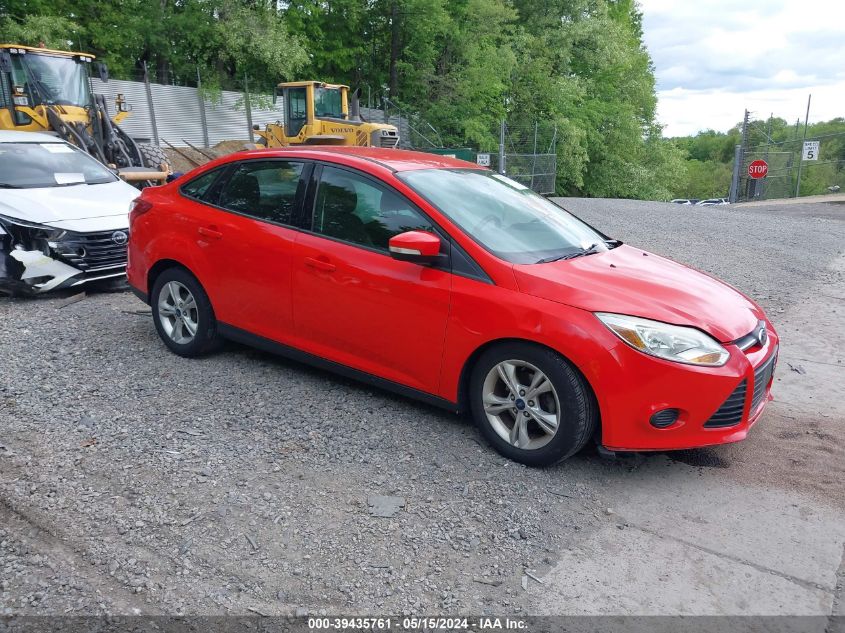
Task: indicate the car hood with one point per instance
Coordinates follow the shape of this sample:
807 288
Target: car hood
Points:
626 280
58 206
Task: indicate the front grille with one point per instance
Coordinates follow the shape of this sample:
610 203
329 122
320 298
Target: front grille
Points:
92 252
762 376
730 413
388 141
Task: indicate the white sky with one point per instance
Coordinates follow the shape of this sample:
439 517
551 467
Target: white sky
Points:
715 58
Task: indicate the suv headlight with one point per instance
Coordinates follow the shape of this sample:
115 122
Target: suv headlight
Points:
670 342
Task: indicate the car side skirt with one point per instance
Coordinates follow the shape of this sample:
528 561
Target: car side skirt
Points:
259 342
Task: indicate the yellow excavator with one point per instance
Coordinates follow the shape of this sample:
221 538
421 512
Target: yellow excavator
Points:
44 90
317 113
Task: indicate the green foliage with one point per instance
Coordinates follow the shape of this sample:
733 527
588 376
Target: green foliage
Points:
33 30
460 65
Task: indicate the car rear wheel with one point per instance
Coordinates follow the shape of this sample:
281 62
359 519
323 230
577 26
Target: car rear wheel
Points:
182 313
531 404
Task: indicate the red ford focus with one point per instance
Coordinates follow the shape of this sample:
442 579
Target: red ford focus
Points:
447 282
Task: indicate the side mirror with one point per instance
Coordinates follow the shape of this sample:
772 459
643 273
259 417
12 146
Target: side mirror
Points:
275 94
5 62
420 247
102 71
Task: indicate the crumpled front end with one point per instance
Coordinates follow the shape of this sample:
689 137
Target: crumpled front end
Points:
36 258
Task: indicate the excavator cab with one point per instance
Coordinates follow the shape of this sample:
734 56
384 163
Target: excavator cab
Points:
317 113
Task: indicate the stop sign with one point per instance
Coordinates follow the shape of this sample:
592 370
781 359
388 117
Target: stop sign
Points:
758 169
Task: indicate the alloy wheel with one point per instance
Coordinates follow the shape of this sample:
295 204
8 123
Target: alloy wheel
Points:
177 312
521 404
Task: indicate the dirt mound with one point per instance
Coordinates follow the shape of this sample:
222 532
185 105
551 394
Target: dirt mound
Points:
184 159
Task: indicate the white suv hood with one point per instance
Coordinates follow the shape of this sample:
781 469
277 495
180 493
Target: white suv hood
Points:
80 207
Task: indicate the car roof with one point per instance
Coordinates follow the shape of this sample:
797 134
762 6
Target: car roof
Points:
16 136
392 159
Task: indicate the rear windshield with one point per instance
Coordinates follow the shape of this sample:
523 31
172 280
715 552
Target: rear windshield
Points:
31 165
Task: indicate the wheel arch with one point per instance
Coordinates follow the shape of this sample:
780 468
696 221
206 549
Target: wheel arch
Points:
469 365
159 267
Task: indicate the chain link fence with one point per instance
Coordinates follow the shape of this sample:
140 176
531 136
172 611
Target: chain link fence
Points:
528 154
790 172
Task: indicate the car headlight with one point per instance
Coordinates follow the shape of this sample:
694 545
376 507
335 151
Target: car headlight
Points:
670 342
32 230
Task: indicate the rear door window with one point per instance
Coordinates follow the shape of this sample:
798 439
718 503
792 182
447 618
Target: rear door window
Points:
199 188
264 189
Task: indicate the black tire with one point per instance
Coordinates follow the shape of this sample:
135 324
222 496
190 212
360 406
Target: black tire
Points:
152 155
205 339
578 409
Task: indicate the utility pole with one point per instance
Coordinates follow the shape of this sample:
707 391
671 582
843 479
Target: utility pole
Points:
769 135
764 184
801 155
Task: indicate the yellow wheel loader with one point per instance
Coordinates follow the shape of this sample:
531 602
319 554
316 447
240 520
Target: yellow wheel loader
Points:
317 113
43 90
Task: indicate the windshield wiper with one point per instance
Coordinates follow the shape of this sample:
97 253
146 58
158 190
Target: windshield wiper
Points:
613 243
8 185
590 250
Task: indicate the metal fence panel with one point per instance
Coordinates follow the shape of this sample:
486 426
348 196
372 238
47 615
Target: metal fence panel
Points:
177 114
138 124
179 117
227 118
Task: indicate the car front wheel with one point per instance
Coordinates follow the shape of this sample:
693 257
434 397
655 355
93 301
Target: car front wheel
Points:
183 314
531 404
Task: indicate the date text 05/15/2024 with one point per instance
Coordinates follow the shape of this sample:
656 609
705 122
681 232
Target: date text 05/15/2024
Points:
486 623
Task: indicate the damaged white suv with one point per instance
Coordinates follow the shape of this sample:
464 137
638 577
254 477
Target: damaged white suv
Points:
63 216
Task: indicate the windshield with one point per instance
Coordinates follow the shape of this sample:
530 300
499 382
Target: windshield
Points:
51 80
505 217
29 165
327 103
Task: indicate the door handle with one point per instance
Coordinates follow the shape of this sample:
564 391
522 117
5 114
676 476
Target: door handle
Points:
209 233
320 264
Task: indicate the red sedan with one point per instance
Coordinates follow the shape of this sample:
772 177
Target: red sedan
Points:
447 282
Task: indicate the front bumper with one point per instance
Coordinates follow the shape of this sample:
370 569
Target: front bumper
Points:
714 405
34 266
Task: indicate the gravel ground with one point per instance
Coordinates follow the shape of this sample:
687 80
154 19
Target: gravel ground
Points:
135 481
772 253
241 481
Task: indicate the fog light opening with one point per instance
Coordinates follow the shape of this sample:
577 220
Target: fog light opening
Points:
663 418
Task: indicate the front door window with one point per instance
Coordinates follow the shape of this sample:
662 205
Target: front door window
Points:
355 209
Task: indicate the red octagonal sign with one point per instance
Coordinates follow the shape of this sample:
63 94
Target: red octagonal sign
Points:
758 169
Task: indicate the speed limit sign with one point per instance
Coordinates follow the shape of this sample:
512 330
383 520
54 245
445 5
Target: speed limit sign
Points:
811 150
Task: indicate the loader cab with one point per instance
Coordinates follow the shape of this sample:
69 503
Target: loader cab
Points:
32 77
47 77
306 102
